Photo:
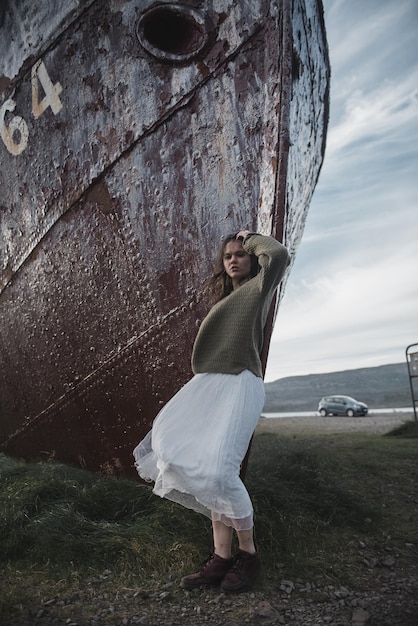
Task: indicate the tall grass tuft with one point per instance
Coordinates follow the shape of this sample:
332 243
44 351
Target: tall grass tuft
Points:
69 518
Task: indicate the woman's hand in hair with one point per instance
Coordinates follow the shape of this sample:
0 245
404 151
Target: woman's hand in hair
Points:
242 234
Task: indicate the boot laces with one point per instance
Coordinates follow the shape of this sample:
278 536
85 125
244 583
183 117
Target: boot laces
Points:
238 563
203 565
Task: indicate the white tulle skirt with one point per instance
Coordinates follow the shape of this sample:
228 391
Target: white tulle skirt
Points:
197 443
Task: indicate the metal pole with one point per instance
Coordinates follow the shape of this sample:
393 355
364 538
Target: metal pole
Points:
412 375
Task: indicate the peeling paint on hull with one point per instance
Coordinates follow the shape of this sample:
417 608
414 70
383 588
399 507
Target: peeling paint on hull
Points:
125 156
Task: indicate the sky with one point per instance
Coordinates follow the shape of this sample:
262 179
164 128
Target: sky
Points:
351 300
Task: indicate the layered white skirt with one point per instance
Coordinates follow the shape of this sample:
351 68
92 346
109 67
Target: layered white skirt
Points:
198 441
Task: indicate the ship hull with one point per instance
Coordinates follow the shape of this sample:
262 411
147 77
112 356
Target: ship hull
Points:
132 160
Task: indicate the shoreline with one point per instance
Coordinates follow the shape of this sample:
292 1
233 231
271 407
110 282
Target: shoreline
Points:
377 421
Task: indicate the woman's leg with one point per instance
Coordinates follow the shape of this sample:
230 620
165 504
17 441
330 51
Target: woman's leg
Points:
218 564
246 540
222 539
247 564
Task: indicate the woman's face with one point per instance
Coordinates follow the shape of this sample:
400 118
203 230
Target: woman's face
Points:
237 262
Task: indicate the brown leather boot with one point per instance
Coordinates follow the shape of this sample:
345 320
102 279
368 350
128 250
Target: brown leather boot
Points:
211 573
242 574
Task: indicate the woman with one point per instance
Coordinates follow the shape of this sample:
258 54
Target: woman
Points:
199 439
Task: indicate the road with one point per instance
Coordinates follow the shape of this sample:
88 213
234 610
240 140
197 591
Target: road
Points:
377 421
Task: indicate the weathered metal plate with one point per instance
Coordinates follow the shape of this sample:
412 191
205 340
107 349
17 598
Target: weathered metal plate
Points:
121 167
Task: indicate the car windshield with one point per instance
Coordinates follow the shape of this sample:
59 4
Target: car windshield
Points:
338 399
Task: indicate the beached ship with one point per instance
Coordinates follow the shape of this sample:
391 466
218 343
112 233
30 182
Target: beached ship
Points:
134 136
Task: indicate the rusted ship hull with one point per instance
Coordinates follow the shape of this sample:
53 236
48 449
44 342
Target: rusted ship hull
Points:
128 150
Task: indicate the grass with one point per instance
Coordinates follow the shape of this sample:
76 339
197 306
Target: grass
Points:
315 498
407 429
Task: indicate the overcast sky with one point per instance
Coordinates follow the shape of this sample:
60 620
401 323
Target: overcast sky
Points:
352 298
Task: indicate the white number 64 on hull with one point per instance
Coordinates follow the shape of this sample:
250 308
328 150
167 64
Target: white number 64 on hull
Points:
15 134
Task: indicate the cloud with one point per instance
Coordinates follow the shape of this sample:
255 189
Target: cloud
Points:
336 300
376 117
369 41
359 316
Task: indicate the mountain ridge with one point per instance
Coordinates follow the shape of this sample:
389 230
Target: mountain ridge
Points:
381 386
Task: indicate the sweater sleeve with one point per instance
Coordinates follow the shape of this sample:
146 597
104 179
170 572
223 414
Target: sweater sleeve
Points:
273 259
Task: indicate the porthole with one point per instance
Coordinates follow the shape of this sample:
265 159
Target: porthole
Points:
173 32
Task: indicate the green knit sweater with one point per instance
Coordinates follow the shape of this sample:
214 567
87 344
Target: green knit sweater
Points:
230 337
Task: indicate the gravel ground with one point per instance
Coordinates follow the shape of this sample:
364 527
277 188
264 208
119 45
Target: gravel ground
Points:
390 580
391 601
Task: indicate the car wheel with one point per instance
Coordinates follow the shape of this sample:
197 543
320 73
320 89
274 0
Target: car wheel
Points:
323 412
350 412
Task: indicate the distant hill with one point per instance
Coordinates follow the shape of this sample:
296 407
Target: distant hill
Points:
385 386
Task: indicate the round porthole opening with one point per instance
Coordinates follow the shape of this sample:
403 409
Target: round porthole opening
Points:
172 32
